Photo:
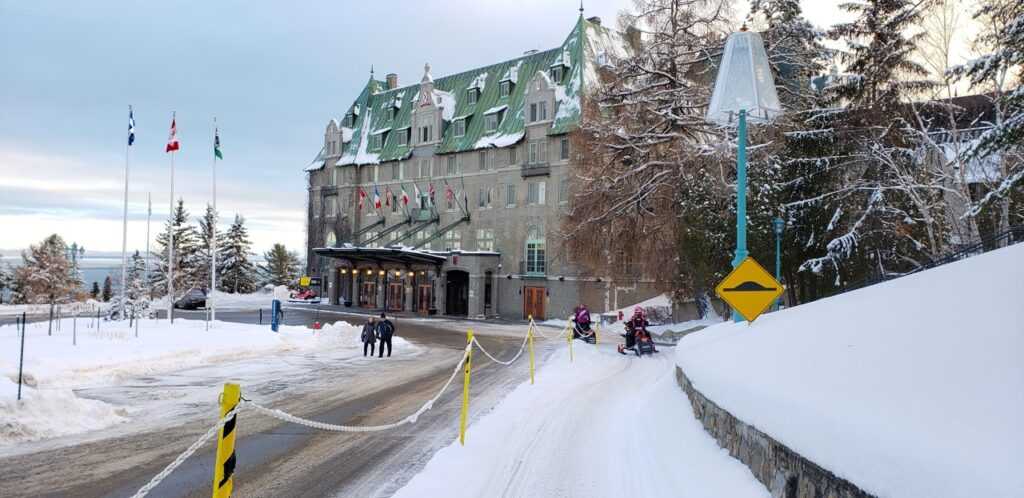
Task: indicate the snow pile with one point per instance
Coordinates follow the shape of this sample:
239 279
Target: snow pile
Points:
113 352
227 300
621 427
913 387
34 416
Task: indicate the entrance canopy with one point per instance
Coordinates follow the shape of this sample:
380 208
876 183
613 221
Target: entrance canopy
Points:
381 255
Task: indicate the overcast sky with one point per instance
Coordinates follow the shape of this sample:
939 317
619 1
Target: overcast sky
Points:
272 73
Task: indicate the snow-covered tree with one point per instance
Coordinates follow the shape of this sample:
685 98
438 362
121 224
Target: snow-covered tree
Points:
47 275
238 273
136 291
206 237
186 256
282 266
5 278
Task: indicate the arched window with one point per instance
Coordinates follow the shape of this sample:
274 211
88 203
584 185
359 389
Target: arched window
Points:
535 258
330 239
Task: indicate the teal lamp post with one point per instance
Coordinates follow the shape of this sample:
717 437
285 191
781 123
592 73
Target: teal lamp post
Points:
778 225
744 90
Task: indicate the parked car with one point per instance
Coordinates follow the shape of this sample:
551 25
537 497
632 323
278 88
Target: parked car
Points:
192 300
306 295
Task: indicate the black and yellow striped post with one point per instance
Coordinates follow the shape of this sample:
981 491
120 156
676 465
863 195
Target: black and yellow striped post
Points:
224 467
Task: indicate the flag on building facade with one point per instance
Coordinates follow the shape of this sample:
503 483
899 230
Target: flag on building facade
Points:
131 127
362 195
216 144
387 196
405 195
448 193
430 195
172 141
419 195
376 197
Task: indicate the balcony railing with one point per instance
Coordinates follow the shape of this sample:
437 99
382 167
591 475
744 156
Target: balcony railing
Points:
535 170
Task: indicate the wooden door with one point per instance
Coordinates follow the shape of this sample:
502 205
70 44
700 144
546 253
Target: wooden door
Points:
368 298
396 297
425 295
533 302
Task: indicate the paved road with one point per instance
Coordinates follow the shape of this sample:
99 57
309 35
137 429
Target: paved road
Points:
282 459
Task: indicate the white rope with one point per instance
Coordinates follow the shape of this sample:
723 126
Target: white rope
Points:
542 334
411 419
143 491
509 362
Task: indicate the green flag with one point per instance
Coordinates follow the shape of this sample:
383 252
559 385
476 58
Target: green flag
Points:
216 144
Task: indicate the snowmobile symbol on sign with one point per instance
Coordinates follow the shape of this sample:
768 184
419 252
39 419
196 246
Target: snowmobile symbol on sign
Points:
749 289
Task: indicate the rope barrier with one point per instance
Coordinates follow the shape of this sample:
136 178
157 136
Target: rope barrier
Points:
542 334
287 417
509 362
143 491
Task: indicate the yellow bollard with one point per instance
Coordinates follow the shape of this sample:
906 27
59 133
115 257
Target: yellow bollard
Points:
571 332
465 388
597 335
224 466
530 339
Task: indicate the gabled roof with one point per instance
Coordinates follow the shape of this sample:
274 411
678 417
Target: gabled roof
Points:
588 46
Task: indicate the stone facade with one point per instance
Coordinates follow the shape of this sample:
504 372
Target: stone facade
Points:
785 473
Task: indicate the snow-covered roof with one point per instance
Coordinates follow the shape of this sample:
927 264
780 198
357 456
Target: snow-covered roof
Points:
495 109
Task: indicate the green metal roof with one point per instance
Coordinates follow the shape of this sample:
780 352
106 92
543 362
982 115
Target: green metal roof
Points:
587 45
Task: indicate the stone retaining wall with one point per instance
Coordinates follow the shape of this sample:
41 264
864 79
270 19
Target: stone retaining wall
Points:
785 473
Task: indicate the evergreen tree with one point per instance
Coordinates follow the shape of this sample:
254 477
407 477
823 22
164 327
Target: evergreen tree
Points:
5 278
108 289
282 266
207 226
238 274
47 275
186 256
136 291
94 293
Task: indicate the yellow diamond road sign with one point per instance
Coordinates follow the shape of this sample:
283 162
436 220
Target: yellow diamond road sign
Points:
749 289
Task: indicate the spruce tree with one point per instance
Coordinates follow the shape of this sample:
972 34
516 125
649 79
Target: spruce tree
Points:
95 291
238 274
136 291
186 260
108 289
282 266
207 226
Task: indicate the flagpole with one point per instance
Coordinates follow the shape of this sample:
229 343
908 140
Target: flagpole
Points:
213 252
124 230
170 239
149 217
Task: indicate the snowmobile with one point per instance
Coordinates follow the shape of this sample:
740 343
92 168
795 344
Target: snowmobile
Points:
583 332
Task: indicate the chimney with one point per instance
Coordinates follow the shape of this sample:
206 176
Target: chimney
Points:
596 20
392 81
633 35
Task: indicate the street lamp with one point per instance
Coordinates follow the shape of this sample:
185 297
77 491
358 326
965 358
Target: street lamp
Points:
778 224
744 88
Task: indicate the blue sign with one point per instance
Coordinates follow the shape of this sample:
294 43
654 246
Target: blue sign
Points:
275 314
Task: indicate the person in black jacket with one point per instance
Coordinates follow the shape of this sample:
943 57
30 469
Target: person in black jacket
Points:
369 335
385 329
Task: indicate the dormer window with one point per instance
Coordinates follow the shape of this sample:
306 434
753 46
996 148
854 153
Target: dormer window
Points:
491 122
504 88
556 74
350 120
391 113
459 127
471 95
378 142
403 137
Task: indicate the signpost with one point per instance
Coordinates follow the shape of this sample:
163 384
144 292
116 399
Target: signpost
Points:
749 289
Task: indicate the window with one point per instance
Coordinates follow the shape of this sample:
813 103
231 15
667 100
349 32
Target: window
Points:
485 239
370 236
491 122
565 150
533 112
538 152
504 88
535 193
403 137
452 240
510 196
376 173
333 178
460 127
425 168
396 171
397 235
391 112
471 95
317 206
421 236
542 112
556 74
378 141
350 120
484 197
453 165
535 257
426 133
512 159
330 240
563 191
331 206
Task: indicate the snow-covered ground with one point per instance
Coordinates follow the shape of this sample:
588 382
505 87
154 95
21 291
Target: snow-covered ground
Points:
606 425
913 387
53 365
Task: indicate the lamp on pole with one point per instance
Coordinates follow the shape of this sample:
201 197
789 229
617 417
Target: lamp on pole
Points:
778 225
745 90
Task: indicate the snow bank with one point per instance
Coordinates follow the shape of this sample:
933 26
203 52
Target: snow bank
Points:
621 427
913 387
49 413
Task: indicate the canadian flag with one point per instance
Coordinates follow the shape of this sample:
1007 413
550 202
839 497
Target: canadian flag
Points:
362 195
172 141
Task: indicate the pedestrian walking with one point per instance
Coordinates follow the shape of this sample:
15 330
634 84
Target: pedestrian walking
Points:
385 329
369 335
